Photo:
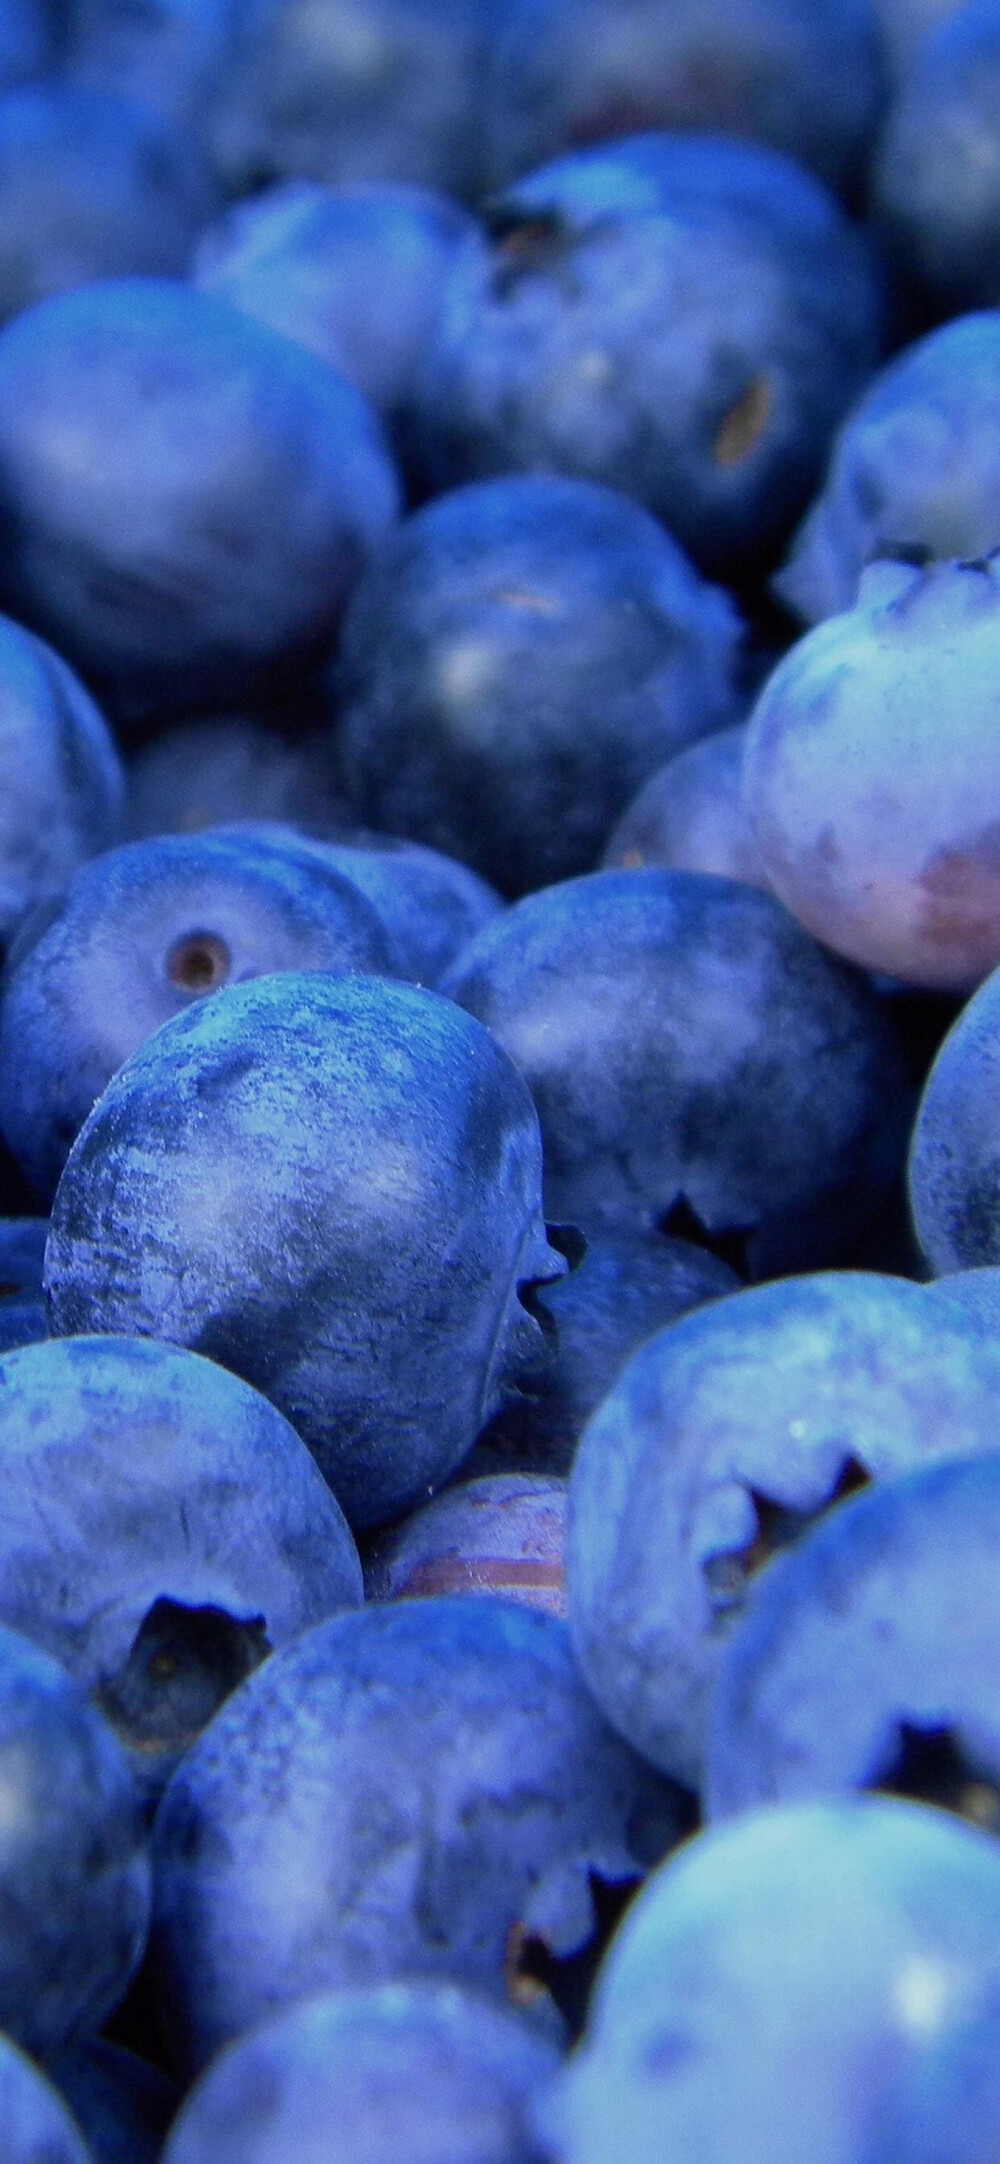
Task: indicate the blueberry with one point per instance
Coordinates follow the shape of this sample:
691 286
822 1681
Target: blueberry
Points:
429 903
61 786
724 1438
871 781
519 658
123 2105
163 1528
37 2127
686 1043
935 189
205 773
501 1536
697 355
23 1320
92 186
355 274
74 1879
786 1986
955 1150
802 77
170 54
417 2070
690 815
626 1285
975 1294
915 467
186 496
357 90
660 167
138 936
366 1279
868 1655
420 1789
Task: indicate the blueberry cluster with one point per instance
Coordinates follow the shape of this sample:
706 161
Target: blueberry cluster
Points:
500 1082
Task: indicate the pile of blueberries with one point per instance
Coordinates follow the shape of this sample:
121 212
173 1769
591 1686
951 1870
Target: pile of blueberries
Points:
500 1082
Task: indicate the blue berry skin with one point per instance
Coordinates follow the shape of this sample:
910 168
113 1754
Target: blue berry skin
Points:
793 74
627 1285
976 1295
873 1642
358 90
519 658
683 1039
37 2125
23 1320
430 905
935 188
500 1537
123 2105
690 815
785 1986
872 778
657 169
421 2071
698 354
406 1791
169 54
186 497
366 1279
954 1169
723 1440
75 1876
139 935
163 1528
26 41
61 783
93 186
232 767
915 466
354 274
904 24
